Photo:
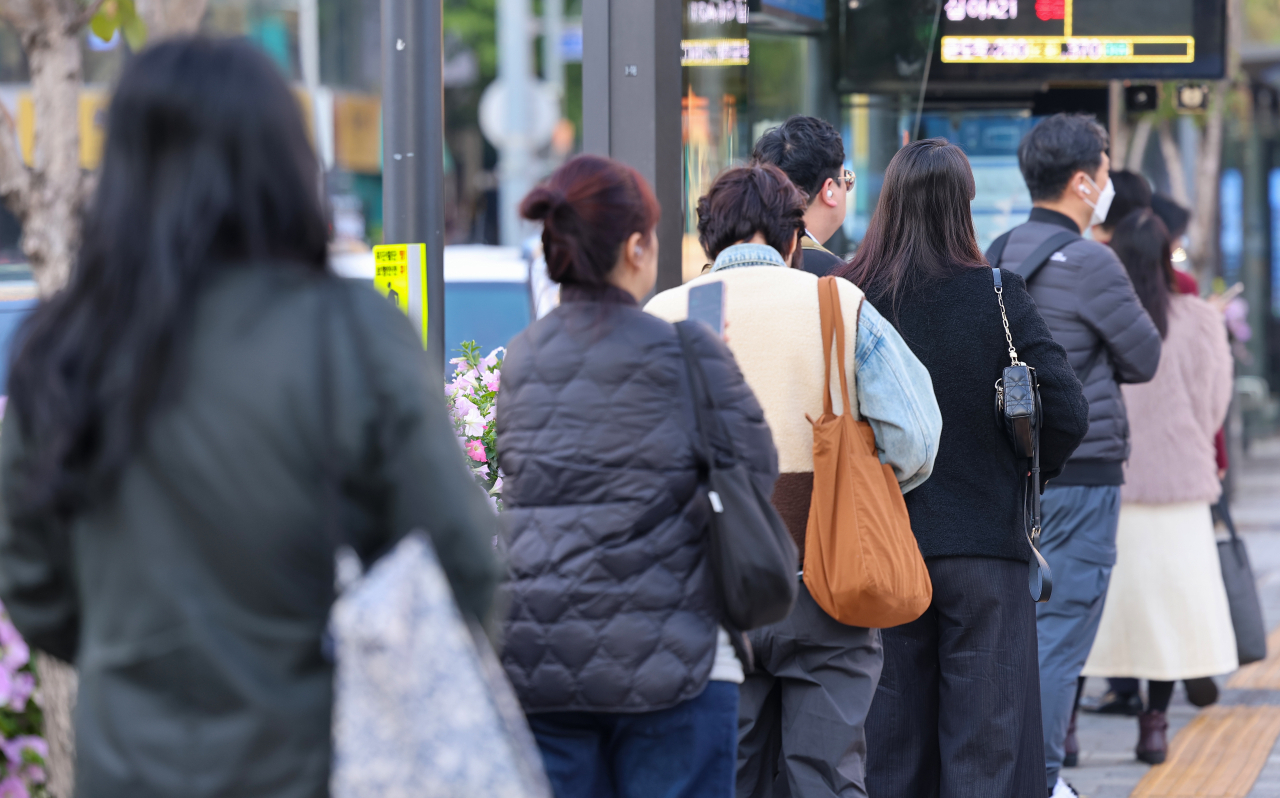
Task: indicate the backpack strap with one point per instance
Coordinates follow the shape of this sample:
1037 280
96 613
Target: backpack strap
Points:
996 250
1028 268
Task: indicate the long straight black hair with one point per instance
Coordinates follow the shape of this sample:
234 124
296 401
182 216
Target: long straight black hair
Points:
1141 241
922 226
207 167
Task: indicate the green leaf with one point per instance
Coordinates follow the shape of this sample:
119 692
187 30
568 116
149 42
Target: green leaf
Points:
104 22
132 26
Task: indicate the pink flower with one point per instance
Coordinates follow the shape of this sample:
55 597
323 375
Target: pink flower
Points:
475 450
465 407
8 632
492 360
24 684
34 774
12 787
463 383
6 687
497 486
13 748
481 470
491 382
16 654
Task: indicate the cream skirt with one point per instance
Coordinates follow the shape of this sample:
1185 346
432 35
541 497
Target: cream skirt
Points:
1166 615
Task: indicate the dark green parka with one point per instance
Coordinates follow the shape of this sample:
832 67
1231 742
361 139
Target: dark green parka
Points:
193 599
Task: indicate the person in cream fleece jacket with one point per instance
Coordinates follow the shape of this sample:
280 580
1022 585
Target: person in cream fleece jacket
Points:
809 666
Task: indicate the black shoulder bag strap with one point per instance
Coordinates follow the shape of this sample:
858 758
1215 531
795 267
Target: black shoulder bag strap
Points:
1039 576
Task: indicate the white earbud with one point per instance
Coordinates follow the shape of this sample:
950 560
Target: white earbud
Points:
637 252
830 193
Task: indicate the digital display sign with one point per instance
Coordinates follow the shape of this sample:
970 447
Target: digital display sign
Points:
977 41
1088 38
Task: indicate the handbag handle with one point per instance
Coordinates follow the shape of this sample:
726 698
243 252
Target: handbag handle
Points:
833 326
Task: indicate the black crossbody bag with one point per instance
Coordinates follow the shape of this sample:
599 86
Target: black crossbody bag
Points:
752 555
1019 412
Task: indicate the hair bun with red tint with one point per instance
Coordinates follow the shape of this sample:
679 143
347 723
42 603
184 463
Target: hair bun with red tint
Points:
588 208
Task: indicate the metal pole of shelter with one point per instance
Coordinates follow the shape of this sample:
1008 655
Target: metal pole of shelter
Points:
631 85
413 145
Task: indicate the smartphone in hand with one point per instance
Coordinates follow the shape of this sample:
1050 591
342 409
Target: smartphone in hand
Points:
706 304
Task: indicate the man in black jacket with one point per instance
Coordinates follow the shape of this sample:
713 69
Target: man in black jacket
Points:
809 150
1085 296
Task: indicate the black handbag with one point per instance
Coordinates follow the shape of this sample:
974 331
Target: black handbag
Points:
752 554
1242 589
1018 411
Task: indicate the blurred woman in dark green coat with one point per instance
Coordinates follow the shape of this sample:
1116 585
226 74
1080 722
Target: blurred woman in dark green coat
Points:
167 461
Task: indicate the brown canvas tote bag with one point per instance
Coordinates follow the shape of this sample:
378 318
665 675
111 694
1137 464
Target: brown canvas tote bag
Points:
861 560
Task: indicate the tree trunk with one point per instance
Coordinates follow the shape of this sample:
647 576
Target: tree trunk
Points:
1118 127
51 222
1138 147
58 684
1204 219
1173 165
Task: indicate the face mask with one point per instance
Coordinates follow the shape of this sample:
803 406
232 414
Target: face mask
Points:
1103 205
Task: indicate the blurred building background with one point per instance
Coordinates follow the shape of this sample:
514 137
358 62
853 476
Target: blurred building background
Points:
882 71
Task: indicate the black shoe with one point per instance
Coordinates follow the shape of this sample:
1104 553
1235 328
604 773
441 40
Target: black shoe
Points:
1114 703
1071 747
1202 692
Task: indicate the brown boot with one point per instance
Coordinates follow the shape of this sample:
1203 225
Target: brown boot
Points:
1071 748
1152 744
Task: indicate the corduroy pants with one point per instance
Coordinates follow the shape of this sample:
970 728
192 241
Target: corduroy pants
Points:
957 712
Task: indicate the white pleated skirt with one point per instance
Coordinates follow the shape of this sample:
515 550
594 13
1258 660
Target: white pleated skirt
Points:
1166 615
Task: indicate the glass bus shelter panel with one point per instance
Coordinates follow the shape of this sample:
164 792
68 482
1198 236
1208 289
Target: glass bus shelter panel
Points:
715 131
990 139
739 81
874 126
886 44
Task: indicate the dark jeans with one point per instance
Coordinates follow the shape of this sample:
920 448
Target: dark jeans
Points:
687 751
957 713
801 731
1079 541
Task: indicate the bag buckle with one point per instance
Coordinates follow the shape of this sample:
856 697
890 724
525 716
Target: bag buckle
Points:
716 504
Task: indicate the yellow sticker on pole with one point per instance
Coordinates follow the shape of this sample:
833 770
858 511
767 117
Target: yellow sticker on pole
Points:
400 274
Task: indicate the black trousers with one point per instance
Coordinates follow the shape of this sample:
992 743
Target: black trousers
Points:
957 711
801 714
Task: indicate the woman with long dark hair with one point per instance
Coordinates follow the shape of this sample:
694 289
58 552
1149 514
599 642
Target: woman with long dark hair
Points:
957 710
1166 616
183 412
614 641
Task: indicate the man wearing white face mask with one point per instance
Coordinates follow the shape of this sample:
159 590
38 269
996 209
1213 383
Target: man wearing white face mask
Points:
1085 296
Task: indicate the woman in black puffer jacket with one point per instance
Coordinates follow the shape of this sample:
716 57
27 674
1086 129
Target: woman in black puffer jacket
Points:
613 640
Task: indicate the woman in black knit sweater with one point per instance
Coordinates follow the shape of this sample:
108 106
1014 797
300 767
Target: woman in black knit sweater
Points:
957 711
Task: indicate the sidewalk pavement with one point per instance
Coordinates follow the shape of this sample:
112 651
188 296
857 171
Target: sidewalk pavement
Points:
1221 752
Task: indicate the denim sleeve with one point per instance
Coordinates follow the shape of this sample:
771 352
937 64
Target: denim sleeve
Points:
895 394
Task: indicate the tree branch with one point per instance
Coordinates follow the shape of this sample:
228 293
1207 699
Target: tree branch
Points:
19 14
15 177
88 13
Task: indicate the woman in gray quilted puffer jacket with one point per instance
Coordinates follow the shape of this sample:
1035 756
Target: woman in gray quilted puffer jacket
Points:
613 641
